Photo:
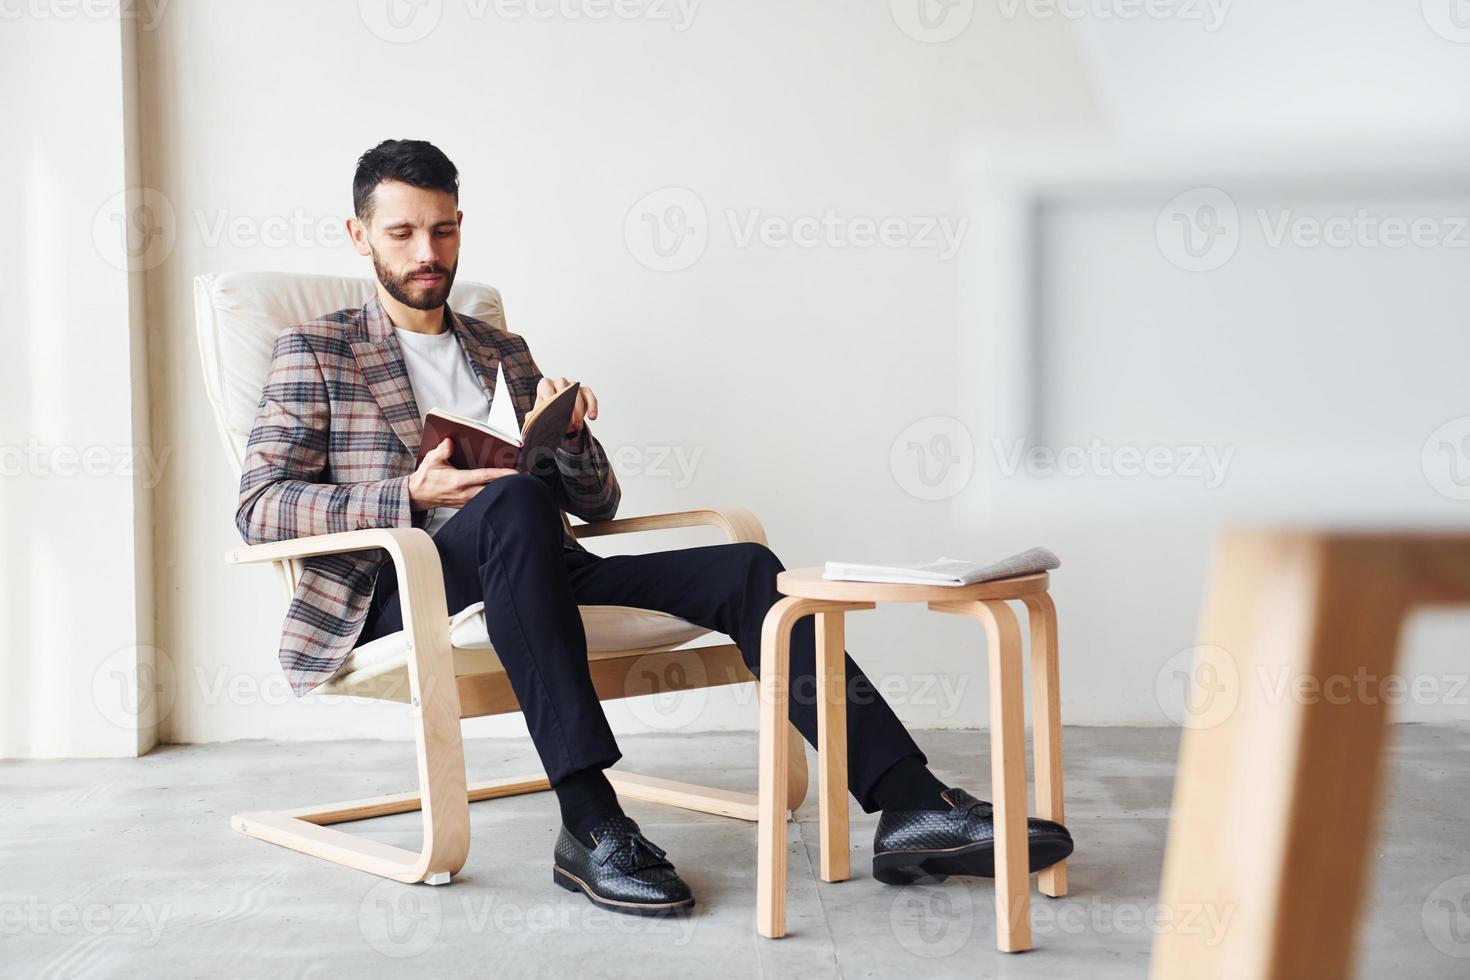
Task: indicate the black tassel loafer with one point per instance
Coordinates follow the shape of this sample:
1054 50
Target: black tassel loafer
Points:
911 845
624 872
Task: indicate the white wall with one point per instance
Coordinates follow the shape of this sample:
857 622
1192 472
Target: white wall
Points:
76 581
788 370
1326 370
1274 381
796 376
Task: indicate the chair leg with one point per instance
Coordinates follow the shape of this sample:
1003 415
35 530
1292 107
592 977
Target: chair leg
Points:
308 829
434 702
445 846
1007 769
1046 728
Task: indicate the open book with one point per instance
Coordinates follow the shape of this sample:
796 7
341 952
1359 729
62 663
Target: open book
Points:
944 571
484 444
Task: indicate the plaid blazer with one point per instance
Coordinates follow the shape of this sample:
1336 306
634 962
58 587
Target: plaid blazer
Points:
334 441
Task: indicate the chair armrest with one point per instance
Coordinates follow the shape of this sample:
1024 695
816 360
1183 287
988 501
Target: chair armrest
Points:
423 604
400 542
738 524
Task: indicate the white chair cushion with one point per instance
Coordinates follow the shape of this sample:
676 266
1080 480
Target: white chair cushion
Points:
609 629
239 314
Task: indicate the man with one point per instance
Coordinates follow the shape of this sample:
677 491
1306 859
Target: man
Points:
333 449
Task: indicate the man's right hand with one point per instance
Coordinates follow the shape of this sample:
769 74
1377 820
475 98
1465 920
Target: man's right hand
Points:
438 483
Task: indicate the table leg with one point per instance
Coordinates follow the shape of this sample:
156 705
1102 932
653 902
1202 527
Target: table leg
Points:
1007 770
836 841
1046 728
1276 793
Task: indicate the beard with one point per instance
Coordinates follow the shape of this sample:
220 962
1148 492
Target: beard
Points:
411 294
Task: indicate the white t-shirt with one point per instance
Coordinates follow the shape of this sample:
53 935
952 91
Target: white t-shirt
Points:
441 377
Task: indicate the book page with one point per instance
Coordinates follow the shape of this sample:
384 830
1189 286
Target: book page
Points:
502 409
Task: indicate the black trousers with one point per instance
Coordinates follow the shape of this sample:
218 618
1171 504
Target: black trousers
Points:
505 547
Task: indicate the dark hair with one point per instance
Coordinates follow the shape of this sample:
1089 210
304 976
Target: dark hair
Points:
414 162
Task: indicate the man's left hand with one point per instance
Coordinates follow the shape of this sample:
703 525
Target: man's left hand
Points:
584 411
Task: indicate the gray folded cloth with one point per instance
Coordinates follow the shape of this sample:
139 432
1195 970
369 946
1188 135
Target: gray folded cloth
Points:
944 571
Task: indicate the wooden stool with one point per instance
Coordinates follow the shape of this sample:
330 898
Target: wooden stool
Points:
808 594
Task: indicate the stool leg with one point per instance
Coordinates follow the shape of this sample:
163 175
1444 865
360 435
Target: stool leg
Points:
1007 769
1008 778
1046 727
796 774
836 841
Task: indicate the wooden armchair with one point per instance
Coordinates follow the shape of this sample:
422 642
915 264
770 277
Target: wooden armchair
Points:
444 668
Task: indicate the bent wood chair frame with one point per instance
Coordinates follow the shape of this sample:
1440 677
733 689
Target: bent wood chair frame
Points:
438 700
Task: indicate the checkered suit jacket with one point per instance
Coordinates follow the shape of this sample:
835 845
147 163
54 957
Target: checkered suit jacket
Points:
334 441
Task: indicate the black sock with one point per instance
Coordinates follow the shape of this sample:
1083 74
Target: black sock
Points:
587 799
909 785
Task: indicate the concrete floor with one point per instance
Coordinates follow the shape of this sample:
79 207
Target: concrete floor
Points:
117 867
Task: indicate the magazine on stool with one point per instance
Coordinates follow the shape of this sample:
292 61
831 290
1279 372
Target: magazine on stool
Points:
944 571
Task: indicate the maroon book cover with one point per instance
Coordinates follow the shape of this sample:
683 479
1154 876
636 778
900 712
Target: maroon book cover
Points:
476 445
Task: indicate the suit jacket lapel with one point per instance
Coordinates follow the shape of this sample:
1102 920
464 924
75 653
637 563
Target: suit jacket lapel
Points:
381 363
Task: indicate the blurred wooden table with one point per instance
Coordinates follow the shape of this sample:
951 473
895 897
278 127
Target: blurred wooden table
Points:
1278 783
